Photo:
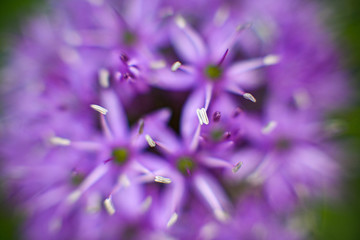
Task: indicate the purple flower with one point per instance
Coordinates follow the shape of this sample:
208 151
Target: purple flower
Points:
210 165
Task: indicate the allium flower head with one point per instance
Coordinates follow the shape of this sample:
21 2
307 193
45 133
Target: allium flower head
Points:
169 120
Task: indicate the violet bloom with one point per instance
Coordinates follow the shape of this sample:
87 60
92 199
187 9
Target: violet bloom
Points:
192 164
207 62
78 171
294 164
89 173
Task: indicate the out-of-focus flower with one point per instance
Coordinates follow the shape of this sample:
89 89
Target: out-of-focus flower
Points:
236 169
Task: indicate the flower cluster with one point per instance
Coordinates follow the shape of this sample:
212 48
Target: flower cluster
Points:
136 119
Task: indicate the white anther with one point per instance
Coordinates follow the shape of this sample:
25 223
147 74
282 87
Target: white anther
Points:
203 118
198 112
221 215
180 21
236 168
109 206
175 66
269 127
172 219
302 99
93 203
60 141
157 64
161 179
124 180
99 109
150 141
104 75
74 196
271 59
221 15
249 96
146 204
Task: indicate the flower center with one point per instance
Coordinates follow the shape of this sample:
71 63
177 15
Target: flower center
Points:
213 72
77 178
185 165
282 144
216 134
129 38
120 155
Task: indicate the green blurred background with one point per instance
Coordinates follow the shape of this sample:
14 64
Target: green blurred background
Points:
333 220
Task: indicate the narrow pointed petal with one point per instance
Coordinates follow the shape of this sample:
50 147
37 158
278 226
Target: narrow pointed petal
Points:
116 115
187 41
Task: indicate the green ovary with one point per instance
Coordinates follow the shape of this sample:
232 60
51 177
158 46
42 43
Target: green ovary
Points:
129 38
217 134
120 155
213 72
185 165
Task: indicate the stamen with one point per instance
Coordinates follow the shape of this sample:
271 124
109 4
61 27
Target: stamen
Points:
180 21
157 64
150 141
74 196
302 99
106 128
124 58
236 168
229 43
221 215
124 180
227 135
175 66
146 204
99 109
269 127
203 118
271 59
195 139
216 116
172 219
208 94
249 96
93 203
104 78
93 177
223 57
60 141
141 126
134 69
109 206
206 188
221 15
161 179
